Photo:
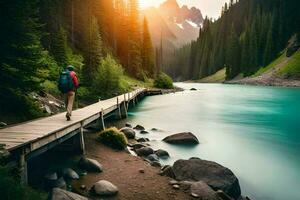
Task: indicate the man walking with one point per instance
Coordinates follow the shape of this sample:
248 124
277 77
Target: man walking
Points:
68 83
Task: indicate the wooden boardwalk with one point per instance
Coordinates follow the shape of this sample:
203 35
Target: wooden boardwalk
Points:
32 138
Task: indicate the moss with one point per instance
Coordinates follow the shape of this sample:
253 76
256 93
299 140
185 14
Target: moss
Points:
163 81
114 138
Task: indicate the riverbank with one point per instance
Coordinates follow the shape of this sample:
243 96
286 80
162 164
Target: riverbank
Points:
134 177
262 81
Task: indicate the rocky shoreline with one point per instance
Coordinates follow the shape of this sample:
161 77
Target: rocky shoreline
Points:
104 173
262 81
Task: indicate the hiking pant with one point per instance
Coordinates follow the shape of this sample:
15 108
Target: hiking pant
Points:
70 96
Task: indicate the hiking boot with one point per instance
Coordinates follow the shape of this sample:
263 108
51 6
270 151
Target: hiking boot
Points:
68 117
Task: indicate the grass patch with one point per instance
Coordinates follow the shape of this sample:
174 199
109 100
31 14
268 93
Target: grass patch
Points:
273 64
113 138
217 77
292 68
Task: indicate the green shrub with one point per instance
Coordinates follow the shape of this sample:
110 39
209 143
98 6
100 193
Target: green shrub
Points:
10 188
114 138
108 78
163 81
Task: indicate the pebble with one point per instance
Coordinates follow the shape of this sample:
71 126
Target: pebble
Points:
173 182
194 195
176 187
83 187
142 171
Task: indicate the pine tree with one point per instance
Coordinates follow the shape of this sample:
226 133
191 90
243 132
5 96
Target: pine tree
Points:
134 39
147 50
21 53
59 47
93 52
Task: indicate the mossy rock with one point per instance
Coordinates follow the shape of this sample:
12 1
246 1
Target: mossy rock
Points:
113 138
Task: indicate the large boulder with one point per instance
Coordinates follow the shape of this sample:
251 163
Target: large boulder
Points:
128 132
182 138
59 194
144 151
70 174
213 174
202 191
104 188
90 165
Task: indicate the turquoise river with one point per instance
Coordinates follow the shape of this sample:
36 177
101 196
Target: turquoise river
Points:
254 131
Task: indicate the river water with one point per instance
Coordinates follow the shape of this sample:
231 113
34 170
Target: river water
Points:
254 131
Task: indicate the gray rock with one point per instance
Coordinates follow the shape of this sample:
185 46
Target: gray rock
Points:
143 140
213 174
138 146
59 183
221 194
155 164
176 187
139 127
90 165
59 194
104 188
293 46
128 125
182 138
203 191
167 171
174 182
2 124
69 173
51 176
152 158
144 132
128 132
144 151
162 153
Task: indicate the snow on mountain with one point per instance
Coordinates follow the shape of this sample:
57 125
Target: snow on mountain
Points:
174 25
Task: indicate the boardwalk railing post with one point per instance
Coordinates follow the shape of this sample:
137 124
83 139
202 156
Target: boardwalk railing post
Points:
23 168
102 119
81 140
119 108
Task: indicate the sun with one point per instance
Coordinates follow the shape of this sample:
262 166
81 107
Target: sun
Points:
149 3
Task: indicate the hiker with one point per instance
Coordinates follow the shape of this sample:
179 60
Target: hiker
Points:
68 83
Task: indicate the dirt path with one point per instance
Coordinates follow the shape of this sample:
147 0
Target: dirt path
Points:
122 169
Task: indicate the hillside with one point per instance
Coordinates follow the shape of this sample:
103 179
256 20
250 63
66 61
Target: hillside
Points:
283 71
248 35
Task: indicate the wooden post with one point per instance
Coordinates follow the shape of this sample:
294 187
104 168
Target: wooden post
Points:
23 168
102 119
81 140
119 109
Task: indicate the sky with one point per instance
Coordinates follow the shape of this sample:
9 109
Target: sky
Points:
210 8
